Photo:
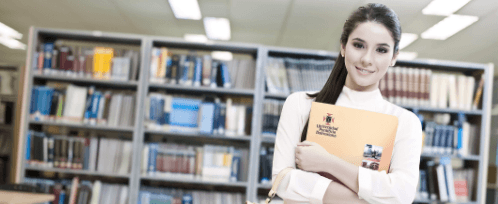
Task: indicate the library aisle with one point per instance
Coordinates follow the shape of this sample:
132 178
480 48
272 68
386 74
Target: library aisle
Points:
180 101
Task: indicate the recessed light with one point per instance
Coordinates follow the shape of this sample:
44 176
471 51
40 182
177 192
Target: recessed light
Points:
217 28
185 9
407 39
448 27
7 31
12 43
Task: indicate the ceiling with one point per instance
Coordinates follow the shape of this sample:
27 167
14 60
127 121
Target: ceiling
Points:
311 24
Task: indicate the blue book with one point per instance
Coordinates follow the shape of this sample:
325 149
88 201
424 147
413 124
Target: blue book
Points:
184 66
152 158
34 100
62 197
187 198
424 192
214 73
156 108
28 145
236 162
184 112
87 154
95 104
166 111
48 48
225 76
222 118
198 71
207 116
460 121
160 199
34 64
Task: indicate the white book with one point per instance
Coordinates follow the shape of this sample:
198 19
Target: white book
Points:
94 142
145 159
450 182
443 91
126 158
452 89
469 92
114 155
428 86
123 195
103 146
114 113
441 181
434 94
461 83
154 63
230 120
74 106
241 114
125 69
97 185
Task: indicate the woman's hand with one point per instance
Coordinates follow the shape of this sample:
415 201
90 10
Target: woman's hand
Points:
312 157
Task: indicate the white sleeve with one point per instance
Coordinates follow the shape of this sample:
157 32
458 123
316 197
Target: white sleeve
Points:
399 185
297 185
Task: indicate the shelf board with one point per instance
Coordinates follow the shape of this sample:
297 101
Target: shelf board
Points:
194 181
73 171
198 135
264 186
445 110
83 126
268 138
276 96
244 92
111 83
470 157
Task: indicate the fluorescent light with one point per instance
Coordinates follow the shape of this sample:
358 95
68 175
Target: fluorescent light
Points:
444 7
407 39
222 55
448 27
12 43
195 38
217 28
7 31
402 55
185 9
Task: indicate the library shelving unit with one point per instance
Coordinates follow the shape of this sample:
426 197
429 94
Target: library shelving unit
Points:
142 87
8 101
33 77
481 116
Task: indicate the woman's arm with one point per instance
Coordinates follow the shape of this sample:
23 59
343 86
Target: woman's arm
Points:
397 186
337 193
298 186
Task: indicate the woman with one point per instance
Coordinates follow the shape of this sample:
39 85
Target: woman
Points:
369 45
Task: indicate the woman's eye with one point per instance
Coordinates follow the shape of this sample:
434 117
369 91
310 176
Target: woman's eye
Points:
382 50
358 45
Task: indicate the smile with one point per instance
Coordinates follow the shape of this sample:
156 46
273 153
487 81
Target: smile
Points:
364 71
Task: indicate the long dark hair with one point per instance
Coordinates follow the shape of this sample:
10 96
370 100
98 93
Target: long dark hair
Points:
378 13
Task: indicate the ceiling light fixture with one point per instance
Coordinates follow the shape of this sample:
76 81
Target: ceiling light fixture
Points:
217 28
407 39
186 9
7 31
444 7
195 38
448 27
12 43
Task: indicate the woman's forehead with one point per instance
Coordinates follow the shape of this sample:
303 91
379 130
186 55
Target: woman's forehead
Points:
372 33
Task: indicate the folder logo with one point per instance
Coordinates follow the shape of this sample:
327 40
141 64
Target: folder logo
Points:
328 118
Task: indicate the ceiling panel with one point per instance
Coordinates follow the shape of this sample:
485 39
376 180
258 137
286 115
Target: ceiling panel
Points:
217 8
254 37
479 8
261 16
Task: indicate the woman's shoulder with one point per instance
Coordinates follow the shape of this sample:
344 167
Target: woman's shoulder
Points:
404 116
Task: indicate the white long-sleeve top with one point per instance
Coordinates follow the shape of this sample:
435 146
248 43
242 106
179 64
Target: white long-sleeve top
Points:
396 186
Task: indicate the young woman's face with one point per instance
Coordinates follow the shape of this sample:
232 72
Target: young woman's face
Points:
368 53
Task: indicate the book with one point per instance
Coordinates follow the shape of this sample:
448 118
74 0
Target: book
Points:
370 146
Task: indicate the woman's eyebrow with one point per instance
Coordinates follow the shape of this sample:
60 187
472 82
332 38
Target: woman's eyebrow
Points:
380 44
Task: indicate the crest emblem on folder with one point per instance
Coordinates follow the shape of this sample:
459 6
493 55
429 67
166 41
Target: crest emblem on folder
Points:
328 119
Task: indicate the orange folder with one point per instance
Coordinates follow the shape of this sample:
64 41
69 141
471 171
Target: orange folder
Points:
360 137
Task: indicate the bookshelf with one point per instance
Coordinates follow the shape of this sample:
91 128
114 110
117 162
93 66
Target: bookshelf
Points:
142 87
8 98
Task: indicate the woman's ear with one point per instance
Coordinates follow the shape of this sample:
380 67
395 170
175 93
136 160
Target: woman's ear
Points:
343 50
395 57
